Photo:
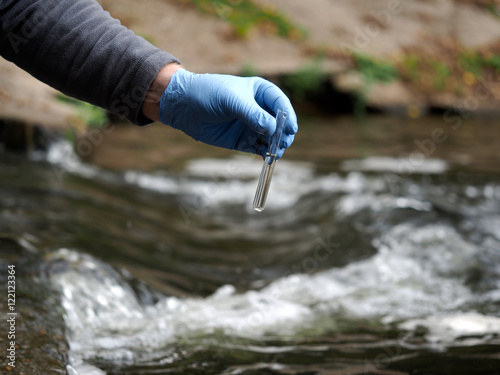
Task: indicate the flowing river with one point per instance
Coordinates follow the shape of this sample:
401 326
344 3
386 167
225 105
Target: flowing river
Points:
378 253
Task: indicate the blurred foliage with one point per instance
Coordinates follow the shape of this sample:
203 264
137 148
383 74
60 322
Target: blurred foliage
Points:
86 114
440 71
493 9
494 62
471 61
374 71
410 67
249 70
244 15
428 73
453 71
475 62
70 136
304 81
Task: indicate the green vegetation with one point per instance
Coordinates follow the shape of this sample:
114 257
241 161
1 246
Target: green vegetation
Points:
471 62
410 67
304 81
494 62
86 114
493 9
456 71
440 71
453 72
428 73
374 71
243 15
475 62
249 70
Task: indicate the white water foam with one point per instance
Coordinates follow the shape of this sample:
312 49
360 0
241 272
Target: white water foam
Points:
403 165
415 277
469 327
232 181
213 182
417 274
64 159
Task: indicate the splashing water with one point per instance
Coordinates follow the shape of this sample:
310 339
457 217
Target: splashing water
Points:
335 256
422 272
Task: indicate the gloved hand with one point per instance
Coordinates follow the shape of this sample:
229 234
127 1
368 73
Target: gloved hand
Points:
227 111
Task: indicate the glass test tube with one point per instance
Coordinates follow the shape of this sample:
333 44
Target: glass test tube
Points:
268 167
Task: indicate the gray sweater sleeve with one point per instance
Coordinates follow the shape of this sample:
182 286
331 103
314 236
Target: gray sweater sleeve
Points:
78 48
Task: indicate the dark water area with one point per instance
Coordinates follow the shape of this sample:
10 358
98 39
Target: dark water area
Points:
378 253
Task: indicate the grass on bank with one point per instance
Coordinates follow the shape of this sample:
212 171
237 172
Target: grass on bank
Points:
245 15
452 73
372 71
86 116
457 72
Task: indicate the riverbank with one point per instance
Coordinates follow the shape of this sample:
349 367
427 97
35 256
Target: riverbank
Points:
395 56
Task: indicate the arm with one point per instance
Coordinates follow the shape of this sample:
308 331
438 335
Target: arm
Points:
79 49
151 104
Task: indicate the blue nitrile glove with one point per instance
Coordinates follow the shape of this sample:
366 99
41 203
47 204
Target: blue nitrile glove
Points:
227 111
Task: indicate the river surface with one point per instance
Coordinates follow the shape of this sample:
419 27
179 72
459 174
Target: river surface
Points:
378 253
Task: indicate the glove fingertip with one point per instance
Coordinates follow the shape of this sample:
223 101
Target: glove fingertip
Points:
287 140
280 153
266 124
291 126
